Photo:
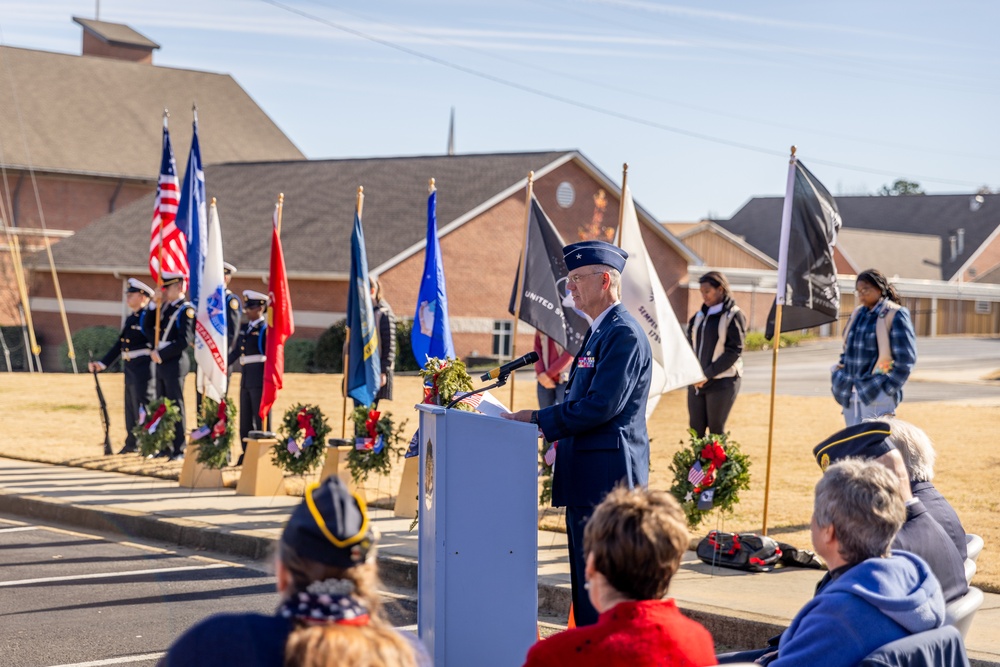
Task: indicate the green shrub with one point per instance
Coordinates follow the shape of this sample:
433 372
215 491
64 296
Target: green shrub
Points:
299 356
93 339
405 361
755 340
329 354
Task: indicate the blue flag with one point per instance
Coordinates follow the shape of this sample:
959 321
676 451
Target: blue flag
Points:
431 333
364 370
191 217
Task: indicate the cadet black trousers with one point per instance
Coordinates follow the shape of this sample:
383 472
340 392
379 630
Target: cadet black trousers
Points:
170 376
576 519
709 407
251 391
138 392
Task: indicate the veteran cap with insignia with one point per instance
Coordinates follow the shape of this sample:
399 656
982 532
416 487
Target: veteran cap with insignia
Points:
331 526
867 440
588 253
172 278
228 268
254 299
136 286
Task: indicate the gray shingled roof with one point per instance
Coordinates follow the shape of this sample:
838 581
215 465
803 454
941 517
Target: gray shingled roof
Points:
318 212
100 116
116 33
759 221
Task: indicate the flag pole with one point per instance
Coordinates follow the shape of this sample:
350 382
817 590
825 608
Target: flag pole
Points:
159 267
270 311
786 220
359 205
621 202
521 277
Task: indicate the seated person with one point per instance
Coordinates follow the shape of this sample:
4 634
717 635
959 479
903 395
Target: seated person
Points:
869 597
918 454
920 534
634 542
329 611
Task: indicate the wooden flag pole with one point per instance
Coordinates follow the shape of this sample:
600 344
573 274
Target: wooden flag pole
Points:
621 202
159 269
359 205
22 288
779 299
520 279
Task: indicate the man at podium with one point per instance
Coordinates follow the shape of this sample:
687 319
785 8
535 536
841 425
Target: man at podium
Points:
601 425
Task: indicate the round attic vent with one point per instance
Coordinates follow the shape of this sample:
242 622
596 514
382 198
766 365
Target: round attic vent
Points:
565 194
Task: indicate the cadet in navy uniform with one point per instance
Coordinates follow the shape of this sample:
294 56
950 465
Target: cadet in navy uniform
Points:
601 425
134 347
234 311
250 349
176 336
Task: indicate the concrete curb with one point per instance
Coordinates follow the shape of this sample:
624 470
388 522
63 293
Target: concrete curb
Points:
729 629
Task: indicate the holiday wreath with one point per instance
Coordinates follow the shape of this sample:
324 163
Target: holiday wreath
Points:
154 430
302 440
377 443
443 378
215 432
709 473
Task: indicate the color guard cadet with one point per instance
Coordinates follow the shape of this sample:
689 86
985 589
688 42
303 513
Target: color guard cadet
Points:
134 347
234 310
176 336
251 349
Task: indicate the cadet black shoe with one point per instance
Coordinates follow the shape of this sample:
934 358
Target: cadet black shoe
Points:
129 450
177 457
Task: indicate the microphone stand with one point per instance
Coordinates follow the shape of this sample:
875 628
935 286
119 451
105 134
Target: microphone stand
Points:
501 381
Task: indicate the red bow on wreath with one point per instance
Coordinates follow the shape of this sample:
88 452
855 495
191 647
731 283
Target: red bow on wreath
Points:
714 454
220 425
304 420
154 420
371 424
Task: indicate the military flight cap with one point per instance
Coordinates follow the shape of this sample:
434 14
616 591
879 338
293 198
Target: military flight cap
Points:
254 299
172 278
588 253
228 268
331 526
866 440
138 286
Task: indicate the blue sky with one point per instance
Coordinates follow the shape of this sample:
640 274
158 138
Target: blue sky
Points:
701 98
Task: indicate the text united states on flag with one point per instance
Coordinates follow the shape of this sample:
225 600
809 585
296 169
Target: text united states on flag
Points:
174 251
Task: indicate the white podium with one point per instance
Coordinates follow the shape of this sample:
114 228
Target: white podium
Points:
477 583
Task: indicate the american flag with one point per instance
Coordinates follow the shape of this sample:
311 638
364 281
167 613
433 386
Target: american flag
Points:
164 214
696 474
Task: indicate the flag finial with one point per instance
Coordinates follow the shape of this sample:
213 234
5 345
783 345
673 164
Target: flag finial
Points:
430 186
625 167
281 197
361 189
793 151
213 201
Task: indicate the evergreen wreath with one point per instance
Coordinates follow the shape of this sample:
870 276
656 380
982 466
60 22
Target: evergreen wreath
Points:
711 464
443 378
154 431
215 432
377 443
302 439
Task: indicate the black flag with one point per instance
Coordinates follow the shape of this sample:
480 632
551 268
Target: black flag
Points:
545 302
812 296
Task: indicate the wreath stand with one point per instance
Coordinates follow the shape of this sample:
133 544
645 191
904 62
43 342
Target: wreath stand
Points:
407 500
196 475
260 477
336 463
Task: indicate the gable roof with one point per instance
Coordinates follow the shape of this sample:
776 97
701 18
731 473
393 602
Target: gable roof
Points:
759 221
710 227
117 34
912 256
103 117
319 210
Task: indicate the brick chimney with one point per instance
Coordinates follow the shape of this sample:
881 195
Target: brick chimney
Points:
115 40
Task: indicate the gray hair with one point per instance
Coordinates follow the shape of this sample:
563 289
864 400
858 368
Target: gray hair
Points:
615 278
861 500
916 448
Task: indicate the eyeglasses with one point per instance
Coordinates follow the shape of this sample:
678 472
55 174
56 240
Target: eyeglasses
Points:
580 276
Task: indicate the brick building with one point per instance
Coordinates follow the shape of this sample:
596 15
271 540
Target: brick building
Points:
481 216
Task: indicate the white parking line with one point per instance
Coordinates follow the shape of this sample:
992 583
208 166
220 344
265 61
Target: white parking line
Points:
145 657
18 529
108 575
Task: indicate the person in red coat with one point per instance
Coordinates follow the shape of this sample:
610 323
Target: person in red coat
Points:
634 543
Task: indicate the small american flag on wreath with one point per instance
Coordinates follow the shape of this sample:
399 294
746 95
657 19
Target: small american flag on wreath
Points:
696 474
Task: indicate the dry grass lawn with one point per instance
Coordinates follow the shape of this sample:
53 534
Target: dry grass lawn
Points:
54 418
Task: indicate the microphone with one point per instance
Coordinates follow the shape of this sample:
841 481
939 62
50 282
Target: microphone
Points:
506 369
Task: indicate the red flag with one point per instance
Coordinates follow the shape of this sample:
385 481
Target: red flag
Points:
279 321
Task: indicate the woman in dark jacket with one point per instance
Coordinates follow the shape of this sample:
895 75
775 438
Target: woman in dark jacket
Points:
385 324
717 333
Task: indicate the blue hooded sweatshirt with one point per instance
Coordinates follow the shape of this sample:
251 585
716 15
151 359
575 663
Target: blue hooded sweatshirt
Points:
877 601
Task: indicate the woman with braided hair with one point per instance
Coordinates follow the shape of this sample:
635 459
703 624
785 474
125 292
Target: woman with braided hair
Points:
329 612
880 349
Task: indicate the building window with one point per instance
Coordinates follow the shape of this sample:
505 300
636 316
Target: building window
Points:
501 338
565 194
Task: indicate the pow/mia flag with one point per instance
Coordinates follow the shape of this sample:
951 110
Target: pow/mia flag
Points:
807 277
545 302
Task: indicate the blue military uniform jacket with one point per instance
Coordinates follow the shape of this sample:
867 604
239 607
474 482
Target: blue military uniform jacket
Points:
134 337
177 334
234 317
601 425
